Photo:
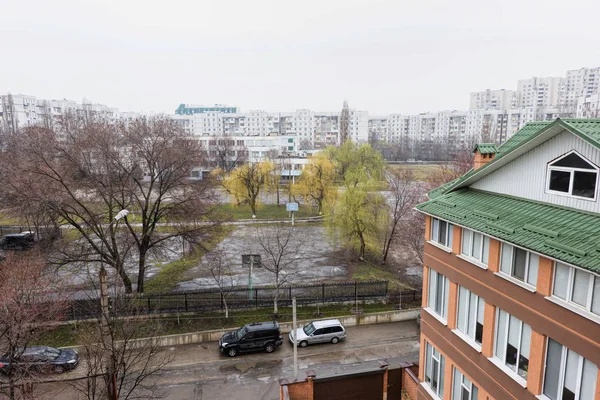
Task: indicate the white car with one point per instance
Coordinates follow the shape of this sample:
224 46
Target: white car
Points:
328 331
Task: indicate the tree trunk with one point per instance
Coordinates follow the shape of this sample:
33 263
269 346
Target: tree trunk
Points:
362 247
277 193
275 308
124 277
141 271
226 308
386 247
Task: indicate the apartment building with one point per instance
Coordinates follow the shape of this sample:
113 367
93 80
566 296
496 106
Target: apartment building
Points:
580 84
511 282
494 99
539 92
19 110
378 128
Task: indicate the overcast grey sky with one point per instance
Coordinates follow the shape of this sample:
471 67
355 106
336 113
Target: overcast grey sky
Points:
275 55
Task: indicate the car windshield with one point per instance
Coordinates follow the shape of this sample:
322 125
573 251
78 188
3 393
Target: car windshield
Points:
51 353
309 328
241 332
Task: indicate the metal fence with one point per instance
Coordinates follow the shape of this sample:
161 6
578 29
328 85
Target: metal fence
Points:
237 298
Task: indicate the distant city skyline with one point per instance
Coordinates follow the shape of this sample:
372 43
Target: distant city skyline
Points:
384 56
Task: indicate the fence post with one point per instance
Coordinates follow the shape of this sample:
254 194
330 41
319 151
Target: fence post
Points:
222 301
255 297
148 303
290 293
386 288
185 301
355 290
323 293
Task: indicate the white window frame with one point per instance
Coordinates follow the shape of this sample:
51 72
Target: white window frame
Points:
570 285
449 232
472 234
502 361
440 373
562 371
468 388
478 302
572 171
512 265
443 314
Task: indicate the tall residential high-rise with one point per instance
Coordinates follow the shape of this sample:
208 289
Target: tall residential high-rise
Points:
539 92
578 84
494 99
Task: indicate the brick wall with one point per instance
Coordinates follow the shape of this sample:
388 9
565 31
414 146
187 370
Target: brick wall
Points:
410 382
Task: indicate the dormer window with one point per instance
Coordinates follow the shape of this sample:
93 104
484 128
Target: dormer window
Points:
572 175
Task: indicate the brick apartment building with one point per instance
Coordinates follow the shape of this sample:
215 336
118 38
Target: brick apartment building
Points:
511 282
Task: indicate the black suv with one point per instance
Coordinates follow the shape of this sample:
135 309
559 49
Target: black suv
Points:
251 337
17 241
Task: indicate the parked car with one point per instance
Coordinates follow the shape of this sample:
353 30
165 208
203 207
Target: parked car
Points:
43 359
330 330
251 337
17 241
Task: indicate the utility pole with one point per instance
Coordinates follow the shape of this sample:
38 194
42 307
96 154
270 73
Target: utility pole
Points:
110 364
294 339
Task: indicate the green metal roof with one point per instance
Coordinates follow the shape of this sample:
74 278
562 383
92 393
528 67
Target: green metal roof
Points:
486 148
559 232
586 129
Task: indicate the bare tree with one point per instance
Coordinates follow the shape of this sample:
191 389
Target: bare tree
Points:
282 250
461 163
404 193
120 355
84 173
412 234
224 153
218 264
30 304
344 123
279 164
305 144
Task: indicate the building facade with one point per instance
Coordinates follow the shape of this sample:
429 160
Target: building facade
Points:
511 282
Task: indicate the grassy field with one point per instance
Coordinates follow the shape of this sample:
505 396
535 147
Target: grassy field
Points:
366 271
66 335
170 274
421 171
265 211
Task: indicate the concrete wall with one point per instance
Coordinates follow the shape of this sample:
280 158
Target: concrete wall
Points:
286 327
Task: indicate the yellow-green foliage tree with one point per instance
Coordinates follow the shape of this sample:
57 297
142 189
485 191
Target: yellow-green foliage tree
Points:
356 163
357 217
246 182
358 214
316 182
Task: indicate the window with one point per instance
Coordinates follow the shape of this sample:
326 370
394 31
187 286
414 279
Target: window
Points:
577 287
463 388
441 232
475 245
519 264
568 375
434 370
469 316
438 293
572 175
512 343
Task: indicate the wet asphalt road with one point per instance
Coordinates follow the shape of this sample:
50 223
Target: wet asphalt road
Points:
200 372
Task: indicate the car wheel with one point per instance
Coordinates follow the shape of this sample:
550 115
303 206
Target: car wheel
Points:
303 343
232 351
270 347
59 369
335 340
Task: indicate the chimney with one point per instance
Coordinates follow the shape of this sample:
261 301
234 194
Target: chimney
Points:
484 153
